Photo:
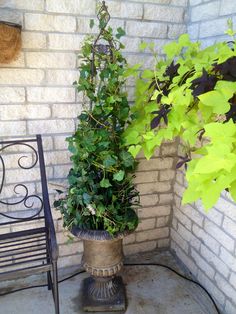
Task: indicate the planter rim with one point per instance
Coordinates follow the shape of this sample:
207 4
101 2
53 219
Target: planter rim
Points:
99 235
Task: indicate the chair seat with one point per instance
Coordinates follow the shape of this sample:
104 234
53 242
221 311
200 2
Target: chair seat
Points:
23 252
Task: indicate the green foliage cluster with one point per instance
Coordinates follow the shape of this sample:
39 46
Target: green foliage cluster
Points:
101 194
191 94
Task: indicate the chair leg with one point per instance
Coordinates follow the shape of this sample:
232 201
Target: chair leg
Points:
55 288
49 279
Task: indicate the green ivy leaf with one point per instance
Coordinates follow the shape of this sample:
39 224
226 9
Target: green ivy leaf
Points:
119 176
91 23
57 203
109 161
86 198
120 32
127 159
105 183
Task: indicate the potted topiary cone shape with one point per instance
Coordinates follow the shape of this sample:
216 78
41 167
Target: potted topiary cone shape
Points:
99 206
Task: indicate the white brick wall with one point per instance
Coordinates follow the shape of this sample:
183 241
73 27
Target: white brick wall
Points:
37 97
207 20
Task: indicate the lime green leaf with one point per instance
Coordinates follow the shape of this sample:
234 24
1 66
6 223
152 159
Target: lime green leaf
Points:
190 195
230 31
210 195
156 94
152 106
184 40
132 70
211 163
134 150
216 100
227 88
148 152
147 74
219 131
143 46
172 49
132 137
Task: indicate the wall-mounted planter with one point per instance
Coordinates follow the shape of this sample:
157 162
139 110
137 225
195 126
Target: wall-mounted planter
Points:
10 35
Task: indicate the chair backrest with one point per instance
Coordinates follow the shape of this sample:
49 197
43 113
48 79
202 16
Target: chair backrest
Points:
23 186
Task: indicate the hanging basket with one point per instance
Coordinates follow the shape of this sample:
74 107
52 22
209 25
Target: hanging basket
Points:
10 41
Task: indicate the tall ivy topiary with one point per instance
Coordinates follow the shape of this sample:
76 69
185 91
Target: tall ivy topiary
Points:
192 95
101 194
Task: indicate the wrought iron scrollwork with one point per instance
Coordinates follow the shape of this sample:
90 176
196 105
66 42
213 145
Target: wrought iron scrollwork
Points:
28 200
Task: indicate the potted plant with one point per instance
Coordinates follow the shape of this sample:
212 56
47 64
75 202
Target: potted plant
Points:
99 205
191 94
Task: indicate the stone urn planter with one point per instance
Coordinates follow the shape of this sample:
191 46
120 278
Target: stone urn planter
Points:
103 259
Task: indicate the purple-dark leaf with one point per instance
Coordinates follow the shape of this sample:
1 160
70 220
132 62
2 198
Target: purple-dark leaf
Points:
201 134
172 70
231 114
227 69
203 84
182 162
155 122
165 119
161 114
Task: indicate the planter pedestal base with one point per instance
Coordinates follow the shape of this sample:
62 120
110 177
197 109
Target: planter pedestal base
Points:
103 294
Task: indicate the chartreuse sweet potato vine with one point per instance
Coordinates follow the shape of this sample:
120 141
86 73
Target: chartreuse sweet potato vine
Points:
101 194
192 95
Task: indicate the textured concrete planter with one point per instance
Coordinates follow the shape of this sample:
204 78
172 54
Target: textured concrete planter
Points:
103 259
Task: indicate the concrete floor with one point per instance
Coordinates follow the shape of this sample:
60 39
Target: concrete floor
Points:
150 290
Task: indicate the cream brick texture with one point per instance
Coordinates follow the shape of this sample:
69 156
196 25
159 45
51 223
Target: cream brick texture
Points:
37 96
207 20
213 261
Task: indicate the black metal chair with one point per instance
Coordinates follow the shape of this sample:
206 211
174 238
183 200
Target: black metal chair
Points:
27 235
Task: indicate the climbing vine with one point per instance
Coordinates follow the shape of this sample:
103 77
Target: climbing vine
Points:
101 193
